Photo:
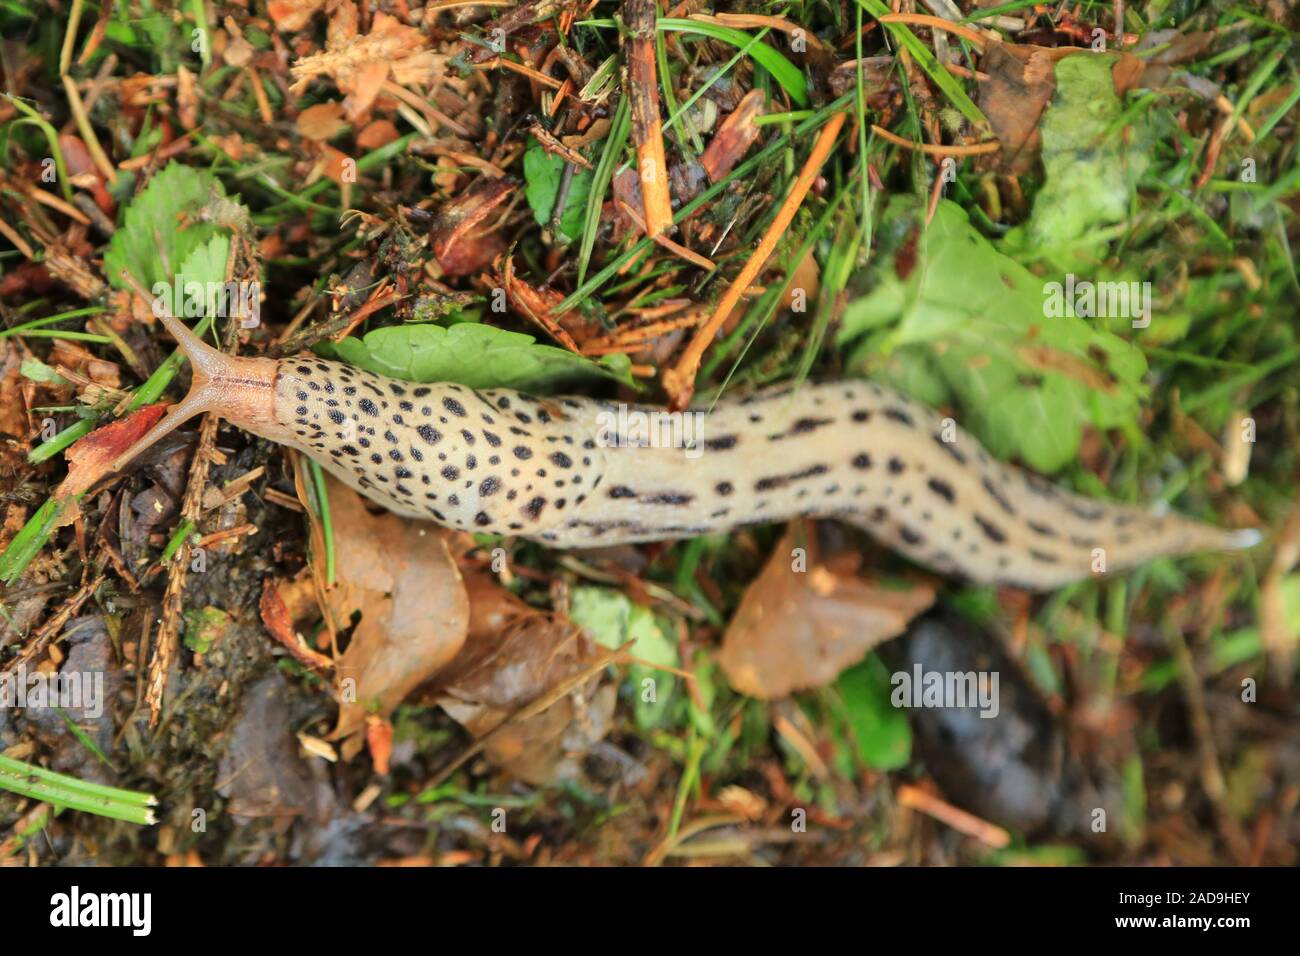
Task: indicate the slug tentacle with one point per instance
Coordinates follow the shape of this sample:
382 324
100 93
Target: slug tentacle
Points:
239 389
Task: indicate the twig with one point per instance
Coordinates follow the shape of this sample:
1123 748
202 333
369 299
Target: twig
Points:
87 133
930 149
937 23
647 133
679 381
916 799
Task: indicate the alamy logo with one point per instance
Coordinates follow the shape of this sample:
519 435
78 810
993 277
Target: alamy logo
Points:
922 688
103 909
191 299
1085 299
634 428
79 690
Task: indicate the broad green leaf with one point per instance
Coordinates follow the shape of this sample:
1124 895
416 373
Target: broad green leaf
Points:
543 173
967 326
1092 164
477 356
882 732
612 620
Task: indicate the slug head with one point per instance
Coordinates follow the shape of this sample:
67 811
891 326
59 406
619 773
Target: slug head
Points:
241 390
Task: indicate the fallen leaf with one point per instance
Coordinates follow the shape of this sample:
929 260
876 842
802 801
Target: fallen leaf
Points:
796 629
379 133
322 121
1020 84
13 409
414 611
260 773
292 15
461 246
733 139
279 623
498 672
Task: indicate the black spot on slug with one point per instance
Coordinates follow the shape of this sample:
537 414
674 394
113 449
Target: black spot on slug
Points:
991 531
942 489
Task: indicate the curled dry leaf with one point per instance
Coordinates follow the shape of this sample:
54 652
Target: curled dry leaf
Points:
536 305
279 623
458 236
414 611
733 139
516 656
797 629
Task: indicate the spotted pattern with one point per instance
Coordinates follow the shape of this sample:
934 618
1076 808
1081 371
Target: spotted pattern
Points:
501 462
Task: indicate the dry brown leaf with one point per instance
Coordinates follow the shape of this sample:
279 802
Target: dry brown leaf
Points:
733 139
378 133
1020 84
292 15
322 121
279 624
502 669
414 611
800 629
458 235
13 409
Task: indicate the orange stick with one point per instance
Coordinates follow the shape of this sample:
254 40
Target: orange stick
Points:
937 23
679 381
931 149
647 132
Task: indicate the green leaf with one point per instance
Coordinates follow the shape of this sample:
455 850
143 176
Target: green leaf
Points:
477 356
543 173
612 620
204 627
968 326
1092 171
38 371
882 732
158 232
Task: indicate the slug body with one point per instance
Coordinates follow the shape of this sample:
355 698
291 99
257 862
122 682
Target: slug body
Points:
571 473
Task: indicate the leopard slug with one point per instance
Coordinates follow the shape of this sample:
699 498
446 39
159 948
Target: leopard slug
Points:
501 462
